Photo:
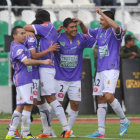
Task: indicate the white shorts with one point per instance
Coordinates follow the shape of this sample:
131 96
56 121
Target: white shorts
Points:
24 94
105 82
73 89
36 89
47 81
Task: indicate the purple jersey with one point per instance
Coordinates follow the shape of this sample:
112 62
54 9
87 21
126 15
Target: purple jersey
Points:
68 61
108 48
23 73
31 43
49 36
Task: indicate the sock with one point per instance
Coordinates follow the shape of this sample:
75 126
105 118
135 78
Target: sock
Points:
59 111
52 114
26 121
72 115
101 113
118 110
45 118
16 117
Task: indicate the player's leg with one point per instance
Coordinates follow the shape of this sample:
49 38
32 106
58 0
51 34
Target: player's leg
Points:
102 106
110 83
48 90
27 97
74 94
16 117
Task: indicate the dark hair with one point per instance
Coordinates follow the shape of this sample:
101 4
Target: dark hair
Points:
67 21
42 15
14 30
110 14
37 21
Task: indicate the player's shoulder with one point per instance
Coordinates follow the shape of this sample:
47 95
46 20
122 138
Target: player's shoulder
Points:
61 35
82 36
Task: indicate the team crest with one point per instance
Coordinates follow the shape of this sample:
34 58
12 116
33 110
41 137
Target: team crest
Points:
78 42
62 44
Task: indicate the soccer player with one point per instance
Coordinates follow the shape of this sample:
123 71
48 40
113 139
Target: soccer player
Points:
68 64
22 63
33 44
109 37
49 36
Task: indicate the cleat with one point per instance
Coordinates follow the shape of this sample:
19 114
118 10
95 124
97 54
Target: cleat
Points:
66 134
16 132
72 135
124 128
43 135
29 136
12 137
96 135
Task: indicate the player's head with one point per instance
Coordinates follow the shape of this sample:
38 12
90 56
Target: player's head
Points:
103 22
37 21
43 15
70 26
19 34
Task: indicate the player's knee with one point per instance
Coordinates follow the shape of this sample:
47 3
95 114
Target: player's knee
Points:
50 98
109 97
75 105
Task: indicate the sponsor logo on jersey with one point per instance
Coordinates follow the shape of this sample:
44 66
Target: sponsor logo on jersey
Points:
31 39
78 42
95 89
62 44
19 51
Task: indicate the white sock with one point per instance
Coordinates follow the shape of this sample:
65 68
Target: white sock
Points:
26 121
118 110
59 111
52 114
72 115
45 114
16 117
101 113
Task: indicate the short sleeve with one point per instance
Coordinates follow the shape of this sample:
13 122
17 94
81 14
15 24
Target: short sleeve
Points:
19 53
42 29
93 32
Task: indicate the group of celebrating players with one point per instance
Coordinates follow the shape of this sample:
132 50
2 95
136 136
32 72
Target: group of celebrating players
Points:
48 64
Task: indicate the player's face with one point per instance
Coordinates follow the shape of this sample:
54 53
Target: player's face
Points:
20 35
104 24
71 30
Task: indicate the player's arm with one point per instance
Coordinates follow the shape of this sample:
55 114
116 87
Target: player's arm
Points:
82 25
36 55
32 62
111 22
29 28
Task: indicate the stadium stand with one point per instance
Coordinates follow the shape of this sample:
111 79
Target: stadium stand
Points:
3 32
53 16
4 68
82 2
19 23
63 2
28 16
64 14
94 24
85 14
4 16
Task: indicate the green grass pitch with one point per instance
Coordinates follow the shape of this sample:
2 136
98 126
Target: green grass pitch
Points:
82 129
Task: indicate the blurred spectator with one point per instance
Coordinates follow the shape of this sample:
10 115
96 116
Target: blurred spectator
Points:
106 3
130 50
17 12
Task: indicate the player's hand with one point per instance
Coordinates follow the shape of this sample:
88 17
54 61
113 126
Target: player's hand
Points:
54 47
47 62
77 20
99 11
29 34
60 28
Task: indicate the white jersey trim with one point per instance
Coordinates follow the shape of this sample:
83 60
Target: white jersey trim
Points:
35 30
23 58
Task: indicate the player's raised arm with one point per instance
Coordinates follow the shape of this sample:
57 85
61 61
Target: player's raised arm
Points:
111 22
82 25
29 28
